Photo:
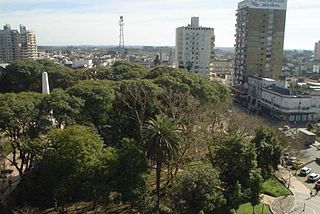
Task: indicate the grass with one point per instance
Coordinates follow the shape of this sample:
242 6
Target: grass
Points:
274 188
259 209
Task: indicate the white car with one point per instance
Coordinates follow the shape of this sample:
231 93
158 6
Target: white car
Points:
313 177
305 171
292 160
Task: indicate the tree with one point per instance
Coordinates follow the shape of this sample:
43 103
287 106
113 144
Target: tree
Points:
196 189
199 87
98 97
255 188
64 108
268 149
76 167
132 168
136 101
189 66
161 144
236 160
25 75
157 60
120 70
22 121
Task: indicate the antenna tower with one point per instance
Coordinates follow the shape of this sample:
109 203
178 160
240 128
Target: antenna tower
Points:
121 36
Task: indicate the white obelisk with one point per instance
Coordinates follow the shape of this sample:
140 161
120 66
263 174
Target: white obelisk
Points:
45 83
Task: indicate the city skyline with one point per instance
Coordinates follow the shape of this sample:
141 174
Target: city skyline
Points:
146 23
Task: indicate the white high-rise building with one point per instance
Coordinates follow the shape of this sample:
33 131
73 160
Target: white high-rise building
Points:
195 47
17 45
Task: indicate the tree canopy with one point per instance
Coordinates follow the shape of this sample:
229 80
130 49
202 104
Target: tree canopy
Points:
197 189
25 75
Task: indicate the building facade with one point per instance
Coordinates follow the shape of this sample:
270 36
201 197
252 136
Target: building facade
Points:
260 31
195 47
222 70
9 44
317 51
28 43
271 97
17 45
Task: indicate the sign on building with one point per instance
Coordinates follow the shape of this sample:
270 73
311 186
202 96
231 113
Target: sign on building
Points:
264 4
268 4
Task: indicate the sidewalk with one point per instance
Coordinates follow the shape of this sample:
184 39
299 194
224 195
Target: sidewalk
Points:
300 202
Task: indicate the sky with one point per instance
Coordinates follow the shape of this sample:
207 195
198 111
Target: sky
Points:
147 22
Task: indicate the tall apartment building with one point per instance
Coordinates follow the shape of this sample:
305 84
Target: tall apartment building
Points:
260 31
317 51
15 45
9 44
28 43
195 47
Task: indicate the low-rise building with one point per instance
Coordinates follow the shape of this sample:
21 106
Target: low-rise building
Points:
270 97
82 63
222 70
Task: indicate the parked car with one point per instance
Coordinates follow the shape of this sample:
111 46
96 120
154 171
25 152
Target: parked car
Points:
313 177
317 185
305 171
292 160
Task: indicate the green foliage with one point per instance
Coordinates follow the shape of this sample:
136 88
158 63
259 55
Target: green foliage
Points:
274 188
157 60
75 164
161 144
255 187
196 189
98 97
236 161
132 167
120 70
136 101
247 208
199 87
64 108
75 168
162 138
25 75
21 116
268 149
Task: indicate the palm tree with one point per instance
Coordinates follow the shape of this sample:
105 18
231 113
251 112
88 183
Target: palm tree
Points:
161 143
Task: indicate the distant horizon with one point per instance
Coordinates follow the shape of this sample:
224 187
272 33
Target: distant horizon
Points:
155 46
81 22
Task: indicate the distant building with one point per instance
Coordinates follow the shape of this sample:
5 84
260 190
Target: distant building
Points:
259 35
195 47
28 43
222 70
316 69
9 44
317 51
82 63
15 45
